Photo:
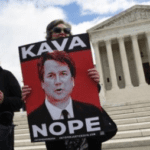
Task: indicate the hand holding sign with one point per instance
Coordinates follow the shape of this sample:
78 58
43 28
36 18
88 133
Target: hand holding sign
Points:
93 74
26 90
1 97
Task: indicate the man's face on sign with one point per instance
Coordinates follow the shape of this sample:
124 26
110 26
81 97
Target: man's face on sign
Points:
58 82
59 31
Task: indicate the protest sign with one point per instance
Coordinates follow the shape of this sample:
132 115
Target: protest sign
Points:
83 102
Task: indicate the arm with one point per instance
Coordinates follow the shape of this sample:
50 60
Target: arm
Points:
12 95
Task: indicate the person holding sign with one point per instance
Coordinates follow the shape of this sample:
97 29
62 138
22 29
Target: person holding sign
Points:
57 29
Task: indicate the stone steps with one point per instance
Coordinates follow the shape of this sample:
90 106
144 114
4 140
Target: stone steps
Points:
131 115
131 110
131 148
22 136
144 125
132 119
26 142
122 127
126 107
21 131
132 134
115 115
129 104
118 121
39 147
119 135
124 143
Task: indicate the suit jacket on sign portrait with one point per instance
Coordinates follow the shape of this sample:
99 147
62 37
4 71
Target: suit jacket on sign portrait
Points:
81 112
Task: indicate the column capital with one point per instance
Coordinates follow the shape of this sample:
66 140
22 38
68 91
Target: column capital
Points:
120 37
107 40
134 35
95 43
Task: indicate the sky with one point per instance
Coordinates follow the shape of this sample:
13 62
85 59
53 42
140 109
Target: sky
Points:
24 21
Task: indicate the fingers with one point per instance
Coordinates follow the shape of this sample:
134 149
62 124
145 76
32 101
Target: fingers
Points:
93 74
26 90
1 97
92 69
95 78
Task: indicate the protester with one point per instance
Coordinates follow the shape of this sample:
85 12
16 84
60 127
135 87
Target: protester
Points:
10 101
57 29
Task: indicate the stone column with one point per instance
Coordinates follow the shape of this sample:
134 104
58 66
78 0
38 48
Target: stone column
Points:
99 63
124 62
111 64
148 43
138 60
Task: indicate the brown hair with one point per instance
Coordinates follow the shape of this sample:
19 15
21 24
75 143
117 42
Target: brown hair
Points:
60 56
53 24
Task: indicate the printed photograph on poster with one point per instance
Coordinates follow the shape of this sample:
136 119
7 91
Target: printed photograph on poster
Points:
64 101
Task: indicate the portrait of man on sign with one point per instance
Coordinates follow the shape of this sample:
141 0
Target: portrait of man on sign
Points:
57 72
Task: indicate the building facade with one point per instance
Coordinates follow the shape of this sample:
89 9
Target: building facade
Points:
122 50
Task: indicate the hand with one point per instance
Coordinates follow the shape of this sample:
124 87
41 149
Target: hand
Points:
26 90
93 73
1 97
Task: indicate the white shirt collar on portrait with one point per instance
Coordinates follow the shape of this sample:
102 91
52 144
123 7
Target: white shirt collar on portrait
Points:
56 113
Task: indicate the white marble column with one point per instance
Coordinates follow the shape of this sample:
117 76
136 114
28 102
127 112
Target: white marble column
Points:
138 60
124 60
99 63
148 43
111 65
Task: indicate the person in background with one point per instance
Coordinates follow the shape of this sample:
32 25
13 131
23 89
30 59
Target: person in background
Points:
58 29
10 101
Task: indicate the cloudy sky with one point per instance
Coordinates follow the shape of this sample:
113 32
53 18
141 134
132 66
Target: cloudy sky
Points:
24 21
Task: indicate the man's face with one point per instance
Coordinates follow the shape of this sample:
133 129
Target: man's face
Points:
63 31
58 82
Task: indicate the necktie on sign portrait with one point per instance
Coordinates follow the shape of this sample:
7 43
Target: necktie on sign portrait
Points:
65 114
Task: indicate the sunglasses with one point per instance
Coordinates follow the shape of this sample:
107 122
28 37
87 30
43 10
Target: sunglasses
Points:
58 30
